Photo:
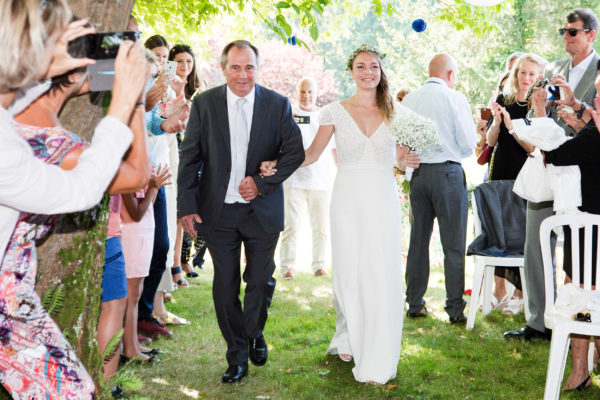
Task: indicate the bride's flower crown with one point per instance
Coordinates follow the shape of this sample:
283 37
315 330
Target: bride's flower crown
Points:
361 48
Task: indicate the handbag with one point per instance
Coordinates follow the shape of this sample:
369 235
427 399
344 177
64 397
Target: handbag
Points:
485 155
533 182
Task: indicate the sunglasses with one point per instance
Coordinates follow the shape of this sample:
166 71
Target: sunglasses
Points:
572 32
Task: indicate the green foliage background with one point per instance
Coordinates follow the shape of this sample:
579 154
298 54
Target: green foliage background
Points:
480 38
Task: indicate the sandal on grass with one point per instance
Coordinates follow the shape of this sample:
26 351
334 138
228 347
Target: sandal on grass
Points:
177 279
190 272
171 319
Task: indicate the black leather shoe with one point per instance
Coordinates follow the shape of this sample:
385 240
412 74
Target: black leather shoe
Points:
235 373
528 334
460 320
258 351
422 313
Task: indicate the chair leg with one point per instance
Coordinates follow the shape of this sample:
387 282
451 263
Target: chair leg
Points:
556 364
591 354
525 295
474 304
488 281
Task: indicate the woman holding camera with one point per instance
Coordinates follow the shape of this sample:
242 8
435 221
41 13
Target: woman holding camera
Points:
509 156
36 361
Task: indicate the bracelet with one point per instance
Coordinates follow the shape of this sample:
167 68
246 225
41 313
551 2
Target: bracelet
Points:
140 103
579 113
511 131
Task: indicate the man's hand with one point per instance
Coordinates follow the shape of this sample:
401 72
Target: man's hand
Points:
595 113
248 189
567 97
187 222
570 118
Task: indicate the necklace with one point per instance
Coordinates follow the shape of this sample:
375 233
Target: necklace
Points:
521 103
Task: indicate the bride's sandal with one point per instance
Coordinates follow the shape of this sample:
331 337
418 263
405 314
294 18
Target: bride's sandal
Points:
345 357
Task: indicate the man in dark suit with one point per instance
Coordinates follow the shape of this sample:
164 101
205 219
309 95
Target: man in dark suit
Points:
232 128
578 72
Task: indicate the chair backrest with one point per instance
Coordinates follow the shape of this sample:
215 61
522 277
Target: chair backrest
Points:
575 222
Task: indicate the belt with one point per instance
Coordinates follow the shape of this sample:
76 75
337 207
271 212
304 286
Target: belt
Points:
442 163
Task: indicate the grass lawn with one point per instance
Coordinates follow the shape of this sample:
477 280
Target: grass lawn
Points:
438 361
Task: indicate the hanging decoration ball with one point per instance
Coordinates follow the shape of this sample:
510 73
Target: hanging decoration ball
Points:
292 40
484 3
419 25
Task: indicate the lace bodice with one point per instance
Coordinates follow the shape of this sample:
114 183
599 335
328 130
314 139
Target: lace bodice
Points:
353 147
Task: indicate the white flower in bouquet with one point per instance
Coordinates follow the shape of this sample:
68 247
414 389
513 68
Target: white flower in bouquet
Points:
414 131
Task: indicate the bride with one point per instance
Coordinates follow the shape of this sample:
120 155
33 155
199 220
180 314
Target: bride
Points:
365 221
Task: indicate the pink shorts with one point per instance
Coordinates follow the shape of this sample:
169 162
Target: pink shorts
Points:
137 248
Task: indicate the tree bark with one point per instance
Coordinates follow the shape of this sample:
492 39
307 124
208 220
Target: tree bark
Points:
73 255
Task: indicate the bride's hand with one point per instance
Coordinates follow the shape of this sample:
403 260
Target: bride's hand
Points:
413 160
267 168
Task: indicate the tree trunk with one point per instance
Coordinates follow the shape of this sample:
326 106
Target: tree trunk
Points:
73 255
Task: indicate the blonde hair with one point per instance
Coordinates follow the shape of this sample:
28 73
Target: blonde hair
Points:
511 87
25 26
384 100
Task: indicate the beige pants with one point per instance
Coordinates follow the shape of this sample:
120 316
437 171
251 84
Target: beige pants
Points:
296 202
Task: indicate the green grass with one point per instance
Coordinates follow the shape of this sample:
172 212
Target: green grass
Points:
438 361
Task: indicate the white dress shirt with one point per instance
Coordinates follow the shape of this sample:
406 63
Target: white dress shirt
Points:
451 111
576 73
28 184
319 175
233 188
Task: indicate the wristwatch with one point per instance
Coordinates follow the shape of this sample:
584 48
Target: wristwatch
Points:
579 113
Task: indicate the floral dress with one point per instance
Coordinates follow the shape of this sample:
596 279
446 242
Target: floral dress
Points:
36 361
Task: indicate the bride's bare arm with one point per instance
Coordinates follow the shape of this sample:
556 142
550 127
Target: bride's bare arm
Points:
319 143
267 168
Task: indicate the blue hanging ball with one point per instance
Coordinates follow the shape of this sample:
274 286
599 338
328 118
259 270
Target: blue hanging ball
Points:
289 40
294 41
419 25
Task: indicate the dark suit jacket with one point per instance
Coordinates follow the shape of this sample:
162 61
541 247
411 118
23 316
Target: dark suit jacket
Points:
205 158
585 90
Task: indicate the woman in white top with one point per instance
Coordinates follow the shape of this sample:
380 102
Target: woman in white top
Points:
26 183
35 33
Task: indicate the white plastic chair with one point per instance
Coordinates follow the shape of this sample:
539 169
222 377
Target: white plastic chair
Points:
561 326
484 272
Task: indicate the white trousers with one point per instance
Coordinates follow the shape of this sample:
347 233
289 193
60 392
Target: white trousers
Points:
317 204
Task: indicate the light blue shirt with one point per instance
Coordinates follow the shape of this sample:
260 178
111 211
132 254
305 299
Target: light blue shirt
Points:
451 111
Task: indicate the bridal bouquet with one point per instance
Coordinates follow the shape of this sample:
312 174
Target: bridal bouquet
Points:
414 131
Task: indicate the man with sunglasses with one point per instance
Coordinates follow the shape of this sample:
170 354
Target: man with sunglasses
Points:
579 72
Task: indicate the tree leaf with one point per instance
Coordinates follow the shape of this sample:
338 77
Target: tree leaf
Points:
314 31
282 4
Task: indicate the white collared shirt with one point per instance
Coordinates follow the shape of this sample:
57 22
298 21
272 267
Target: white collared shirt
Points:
576 73
233 188
452 113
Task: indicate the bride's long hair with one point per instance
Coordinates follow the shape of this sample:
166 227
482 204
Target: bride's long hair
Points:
383 99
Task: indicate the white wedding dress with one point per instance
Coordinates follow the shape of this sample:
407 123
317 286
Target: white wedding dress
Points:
366 249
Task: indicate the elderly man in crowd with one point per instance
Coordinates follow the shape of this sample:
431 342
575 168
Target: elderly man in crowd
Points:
577 74
308 187
438 189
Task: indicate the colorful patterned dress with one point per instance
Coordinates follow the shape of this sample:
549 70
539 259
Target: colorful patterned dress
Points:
36 361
